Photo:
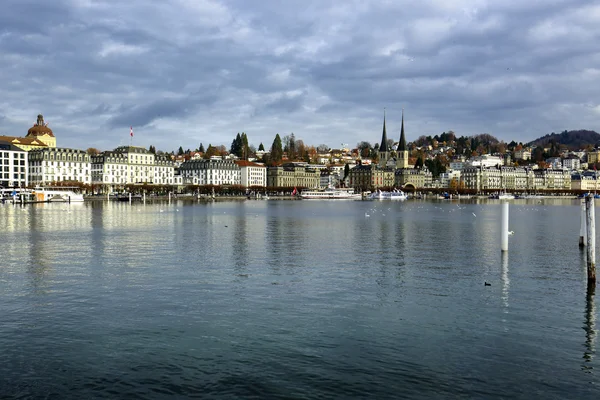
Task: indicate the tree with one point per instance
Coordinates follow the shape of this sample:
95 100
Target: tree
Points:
322 148
289 146
92 151
152 149
346 171
210 151
301 150
261 147
236 146
364 149
180 151
276 150
419 162
201 148
244 145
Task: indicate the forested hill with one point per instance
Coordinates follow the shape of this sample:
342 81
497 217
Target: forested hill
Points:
574 140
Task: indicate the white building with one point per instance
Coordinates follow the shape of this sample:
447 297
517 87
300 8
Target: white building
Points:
486 160
131 165
14 166
212 172
571 163
252 174
58 164
523 154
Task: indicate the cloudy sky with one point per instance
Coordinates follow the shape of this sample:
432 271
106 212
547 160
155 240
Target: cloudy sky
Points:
185 72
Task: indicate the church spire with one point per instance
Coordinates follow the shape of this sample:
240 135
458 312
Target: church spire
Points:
402 142
383 147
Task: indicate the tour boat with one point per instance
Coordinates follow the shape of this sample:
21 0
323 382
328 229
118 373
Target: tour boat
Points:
56 194
331 193
393 195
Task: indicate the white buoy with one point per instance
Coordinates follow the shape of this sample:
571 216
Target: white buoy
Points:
582 228
504 227
591 238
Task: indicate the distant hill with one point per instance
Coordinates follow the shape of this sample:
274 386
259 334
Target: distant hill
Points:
574 140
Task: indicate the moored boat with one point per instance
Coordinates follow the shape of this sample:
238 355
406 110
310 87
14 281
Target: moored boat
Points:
383 195
331 193
44 194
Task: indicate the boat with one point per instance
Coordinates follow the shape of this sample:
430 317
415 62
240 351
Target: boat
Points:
44 194
15 195
502 196
128 196
331 193
393 195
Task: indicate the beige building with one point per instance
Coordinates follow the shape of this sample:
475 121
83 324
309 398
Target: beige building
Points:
39 136
412 178
291 175
369 177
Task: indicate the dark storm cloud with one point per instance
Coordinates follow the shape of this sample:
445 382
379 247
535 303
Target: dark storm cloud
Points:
200 71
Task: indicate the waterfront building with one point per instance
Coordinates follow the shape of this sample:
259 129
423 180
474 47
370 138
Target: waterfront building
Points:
370 177
252 174
293 175
131 165
14 167
587 181
515 178
413 178
213 172
58 164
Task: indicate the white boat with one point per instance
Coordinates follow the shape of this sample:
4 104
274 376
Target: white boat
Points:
393 195
331 193
503 196
56 194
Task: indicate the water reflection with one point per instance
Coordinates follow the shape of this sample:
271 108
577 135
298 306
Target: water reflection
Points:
590 329
505 281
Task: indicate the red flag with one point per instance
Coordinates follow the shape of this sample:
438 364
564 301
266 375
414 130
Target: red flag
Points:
131 131
294 192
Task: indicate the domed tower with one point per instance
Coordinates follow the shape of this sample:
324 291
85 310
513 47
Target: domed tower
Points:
41 132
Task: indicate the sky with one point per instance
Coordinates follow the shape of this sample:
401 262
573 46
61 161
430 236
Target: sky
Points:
185 72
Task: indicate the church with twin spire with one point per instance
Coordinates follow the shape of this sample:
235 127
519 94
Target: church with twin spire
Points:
392 170
385 151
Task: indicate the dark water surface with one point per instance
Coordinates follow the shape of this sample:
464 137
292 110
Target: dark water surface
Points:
295 299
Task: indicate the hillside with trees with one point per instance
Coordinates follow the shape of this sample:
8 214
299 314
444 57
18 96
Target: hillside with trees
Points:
573 140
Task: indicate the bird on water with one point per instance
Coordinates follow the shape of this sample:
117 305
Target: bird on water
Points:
487 284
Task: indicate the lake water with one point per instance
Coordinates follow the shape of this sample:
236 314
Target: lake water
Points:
295 299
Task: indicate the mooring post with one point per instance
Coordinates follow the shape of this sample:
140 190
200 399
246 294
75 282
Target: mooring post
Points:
129 197
504 227
591 239
582 228
144 197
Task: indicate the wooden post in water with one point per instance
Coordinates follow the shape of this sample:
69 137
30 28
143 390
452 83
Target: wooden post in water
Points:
591 239
504 227
582 228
